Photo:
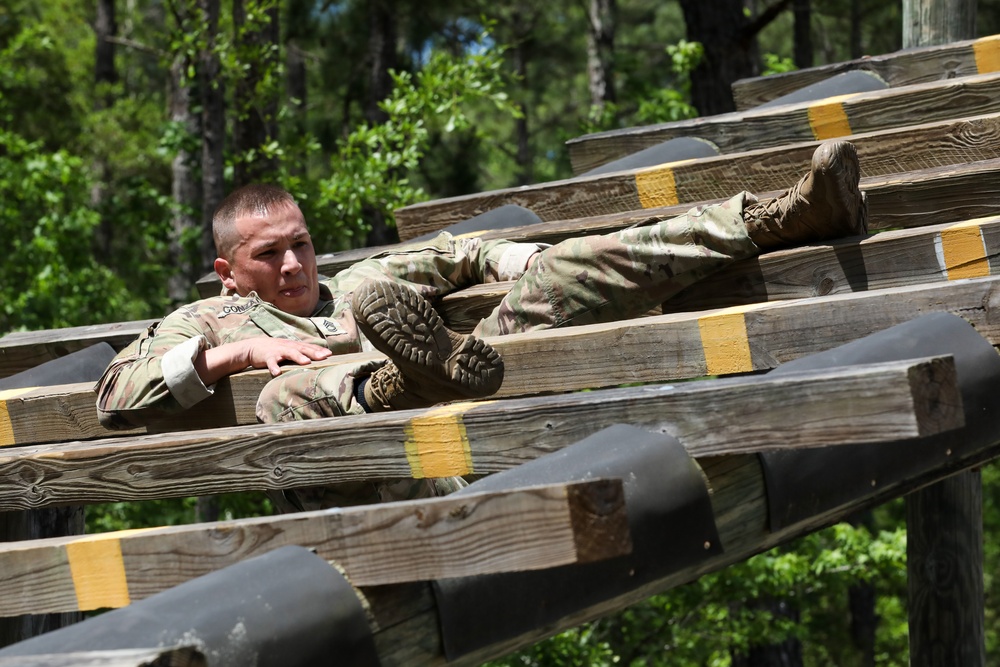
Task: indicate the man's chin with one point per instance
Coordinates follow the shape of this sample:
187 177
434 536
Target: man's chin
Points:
301 307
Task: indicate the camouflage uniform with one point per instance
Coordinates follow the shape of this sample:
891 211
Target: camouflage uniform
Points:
579 281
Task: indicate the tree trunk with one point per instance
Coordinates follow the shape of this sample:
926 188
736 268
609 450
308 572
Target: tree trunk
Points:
730 52
932 22
256 109
213 127
601 51
381 58
856 17
803 34
184 189
105 74
525 174
786 654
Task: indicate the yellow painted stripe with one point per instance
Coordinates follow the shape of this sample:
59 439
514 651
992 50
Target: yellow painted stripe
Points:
828 119
987 51
964 252
98 569
437 444
656 187
98 572
6 427
725 342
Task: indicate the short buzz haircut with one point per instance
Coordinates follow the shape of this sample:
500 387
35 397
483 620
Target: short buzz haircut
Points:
254 199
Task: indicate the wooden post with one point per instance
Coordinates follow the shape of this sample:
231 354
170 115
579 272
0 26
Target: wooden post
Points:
945 521
944 554
932 22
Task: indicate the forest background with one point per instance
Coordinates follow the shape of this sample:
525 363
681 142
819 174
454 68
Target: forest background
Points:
124 122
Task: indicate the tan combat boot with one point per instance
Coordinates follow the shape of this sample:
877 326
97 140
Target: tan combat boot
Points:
429 363
825 204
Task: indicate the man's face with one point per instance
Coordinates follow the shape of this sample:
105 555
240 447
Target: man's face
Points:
275 258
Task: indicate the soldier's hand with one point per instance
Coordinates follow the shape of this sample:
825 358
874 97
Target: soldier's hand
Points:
266 352
216 363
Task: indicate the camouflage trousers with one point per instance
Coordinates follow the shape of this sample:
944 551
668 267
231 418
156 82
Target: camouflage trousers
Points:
582 280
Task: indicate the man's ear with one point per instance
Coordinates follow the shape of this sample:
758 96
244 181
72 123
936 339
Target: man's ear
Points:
225 273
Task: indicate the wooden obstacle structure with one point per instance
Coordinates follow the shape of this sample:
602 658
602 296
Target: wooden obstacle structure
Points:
942 255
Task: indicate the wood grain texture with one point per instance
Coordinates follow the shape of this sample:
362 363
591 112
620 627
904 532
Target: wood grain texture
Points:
932 195
716 178
790 123
888 259
411 637
521 529
881 261
899 68
944 563
22 350
856 405
592 356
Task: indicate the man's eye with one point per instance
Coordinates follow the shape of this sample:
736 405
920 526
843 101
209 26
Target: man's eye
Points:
265 255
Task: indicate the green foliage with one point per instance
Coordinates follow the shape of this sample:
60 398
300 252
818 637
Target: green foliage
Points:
373 167
775 64
108 517
671 104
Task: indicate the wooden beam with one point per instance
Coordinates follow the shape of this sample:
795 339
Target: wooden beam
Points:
522 529
899 68
407 631
805 121
855 405
652 349
22 350
933 195
152 657
922 255
716 178
889 259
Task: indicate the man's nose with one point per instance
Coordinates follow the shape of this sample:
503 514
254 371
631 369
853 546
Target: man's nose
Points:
291 263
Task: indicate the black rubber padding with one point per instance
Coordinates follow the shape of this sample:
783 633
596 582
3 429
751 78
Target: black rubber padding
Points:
670 518
86 365
810 482
679 148
287 608
502 217
855 81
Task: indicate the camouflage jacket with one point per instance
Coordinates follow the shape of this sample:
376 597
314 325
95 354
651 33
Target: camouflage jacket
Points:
155 374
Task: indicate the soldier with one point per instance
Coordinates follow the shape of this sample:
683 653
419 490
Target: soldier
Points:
277 310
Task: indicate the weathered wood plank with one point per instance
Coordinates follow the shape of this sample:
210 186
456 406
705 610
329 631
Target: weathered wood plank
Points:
716 178
888 259
407 631
652 349
805 121
26 349
953 251
22 350
883 402
153 657
933 195
899 68
522 529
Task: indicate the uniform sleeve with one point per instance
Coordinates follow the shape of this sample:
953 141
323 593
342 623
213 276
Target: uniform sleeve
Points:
441 265
155 374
